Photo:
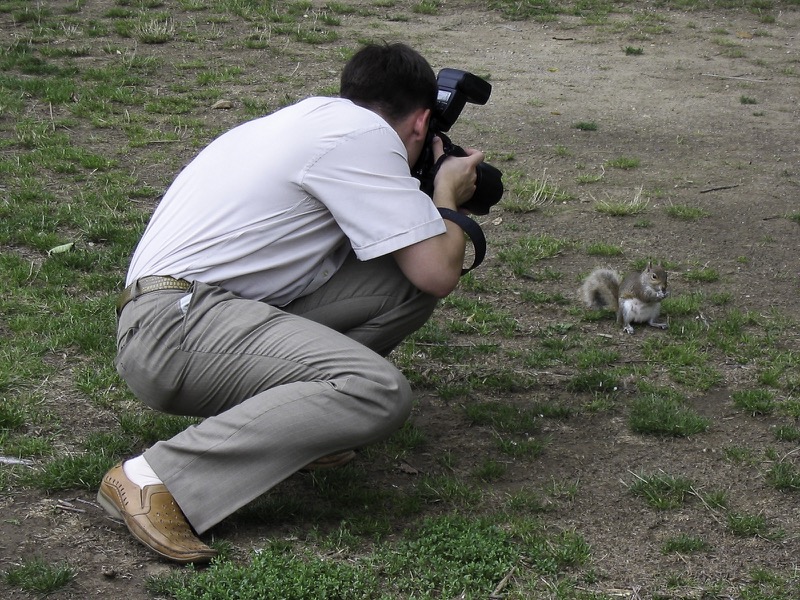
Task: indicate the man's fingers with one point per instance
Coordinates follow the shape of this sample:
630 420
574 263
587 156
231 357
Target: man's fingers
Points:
438 148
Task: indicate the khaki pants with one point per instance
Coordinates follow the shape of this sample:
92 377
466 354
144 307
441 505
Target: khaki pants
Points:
279 388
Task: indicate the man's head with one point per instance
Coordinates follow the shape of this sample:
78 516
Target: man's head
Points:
390 79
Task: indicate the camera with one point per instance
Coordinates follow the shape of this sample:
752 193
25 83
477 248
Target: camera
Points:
456 88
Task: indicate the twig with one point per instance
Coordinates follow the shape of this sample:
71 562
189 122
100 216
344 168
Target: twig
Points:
440 345
82 501
501 586
10 460
64 505
739 77
721 187
697 495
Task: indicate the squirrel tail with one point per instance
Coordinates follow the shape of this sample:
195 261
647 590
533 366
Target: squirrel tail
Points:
601 289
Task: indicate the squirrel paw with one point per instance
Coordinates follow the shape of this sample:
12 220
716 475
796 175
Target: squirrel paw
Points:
628 328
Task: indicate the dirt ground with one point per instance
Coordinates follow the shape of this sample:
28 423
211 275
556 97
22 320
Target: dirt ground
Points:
678 108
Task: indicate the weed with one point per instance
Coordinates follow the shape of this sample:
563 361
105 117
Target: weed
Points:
527 502
747 525
448 490
665 415
154 31
594 382
490 470
623 162
623 207
739 455
82 471
661 491
564 489
784 476
528 250
704 275
787 433
587 178
562 151
525 448
502 417
427 7
603 249
755 402
529 195
40 577
585 126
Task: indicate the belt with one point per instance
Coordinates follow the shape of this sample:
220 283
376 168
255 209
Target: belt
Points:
145 285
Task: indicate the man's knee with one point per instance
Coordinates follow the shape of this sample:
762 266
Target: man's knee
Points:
399 407
385 398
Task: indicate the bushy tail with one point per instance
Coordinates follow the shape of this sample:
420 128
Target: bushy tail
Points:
601 289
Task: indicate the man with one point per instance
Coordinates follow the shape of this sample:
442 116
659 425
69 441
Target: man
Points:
283 263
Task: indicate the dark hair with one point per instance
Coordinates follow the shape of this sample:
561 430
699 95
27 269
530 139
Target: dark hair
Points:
392 79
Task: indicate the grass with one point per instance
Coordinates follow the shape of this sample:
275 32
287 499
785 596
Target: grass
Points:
623 162
96 122
665 414
661 491
38 576
585 126
524 195
684 212
623 207
685 544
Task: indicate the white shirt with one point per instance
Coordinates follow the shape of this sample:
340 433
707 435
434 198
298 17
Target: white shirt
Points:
270 209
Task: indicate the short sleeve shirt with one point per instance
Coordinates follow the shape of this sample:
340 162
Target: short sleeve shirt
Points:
270 209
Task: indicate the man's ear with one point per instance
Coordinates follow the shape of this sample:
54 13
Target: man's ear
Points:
422 119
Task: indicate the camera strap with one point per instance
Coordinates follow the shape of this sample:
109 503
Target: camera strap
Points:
473 230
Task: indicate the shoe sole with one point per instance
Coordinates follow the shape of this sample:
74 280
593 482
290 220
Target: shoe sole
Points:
109 506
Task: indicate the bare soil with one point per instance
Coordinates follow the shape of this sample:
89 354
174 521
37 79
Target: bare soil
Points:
678 108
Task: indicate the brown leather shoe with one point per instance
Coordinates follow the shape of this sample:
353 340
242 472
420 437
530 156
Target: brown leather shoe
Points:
332 460
153 517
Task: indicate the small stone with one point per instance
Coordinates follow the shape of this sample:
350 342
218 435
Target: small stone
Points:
109 572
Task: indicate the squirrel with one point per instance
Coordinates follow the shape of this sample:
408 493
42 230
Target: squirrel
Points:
637 298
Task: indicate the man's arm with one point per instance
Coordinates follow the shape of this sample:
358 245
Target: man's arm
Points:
434 265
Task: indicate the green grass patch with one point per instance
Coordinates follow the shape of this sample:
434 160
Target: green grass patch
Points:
661 491
665 414
38 576
528 250
585 126
684 212
685 544
755 402
623 162
623 206
525 195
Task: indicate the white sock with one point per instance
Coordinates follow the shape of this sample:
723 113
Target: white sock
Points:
138 470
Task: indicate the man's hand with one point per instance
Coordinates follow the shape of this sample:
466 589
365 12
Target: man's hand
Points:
456 179
434 265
